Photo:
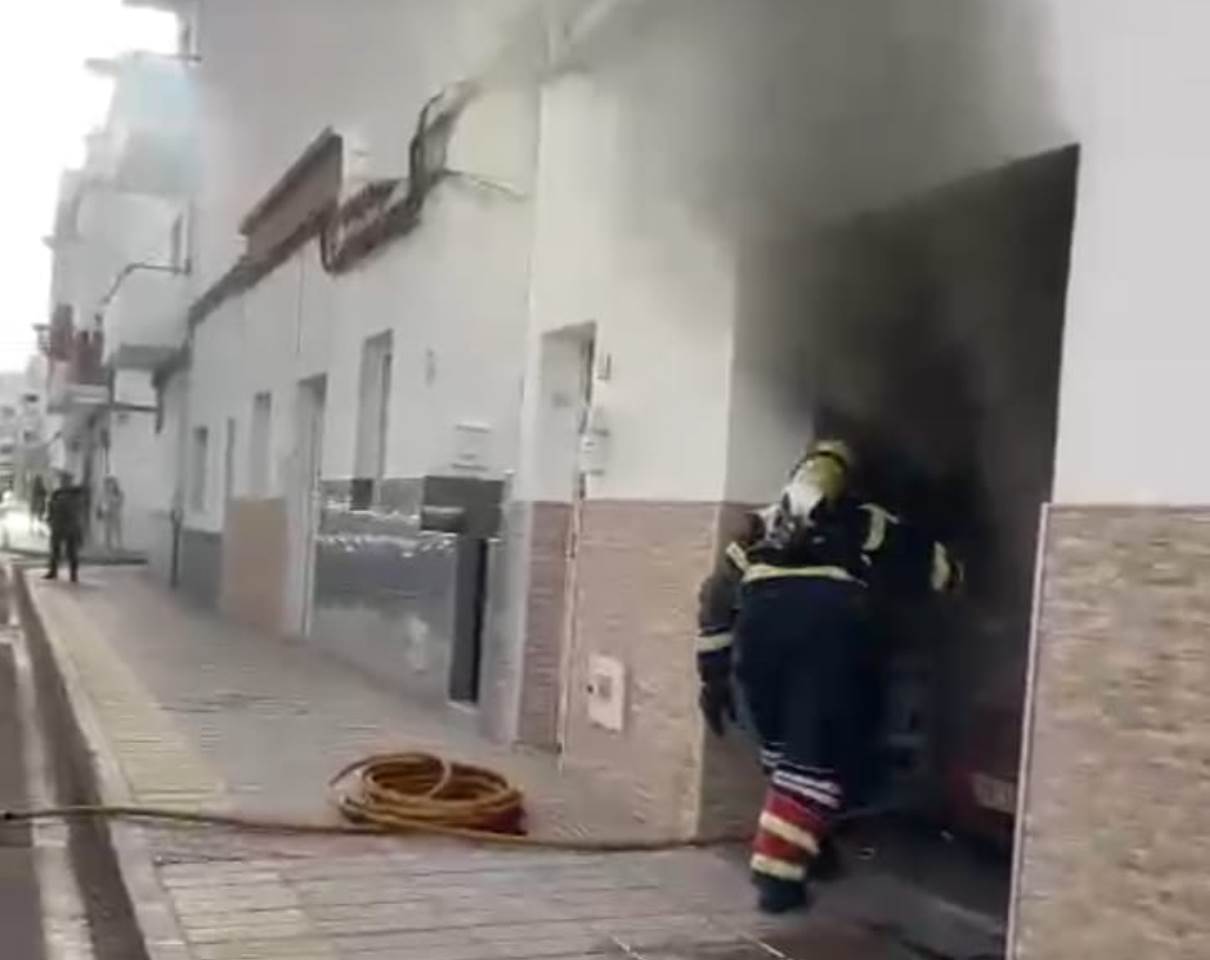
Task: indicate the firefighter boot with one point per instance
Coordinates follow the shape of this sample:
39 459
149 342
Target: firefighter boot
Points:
775 895
827 867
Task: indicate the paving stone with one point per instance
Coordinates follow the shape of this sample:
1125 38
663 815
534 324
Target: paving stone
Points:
205 714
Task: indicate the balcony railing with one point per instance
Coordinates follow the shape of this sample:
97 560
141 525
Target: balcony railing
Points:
80 380
55 338
86 365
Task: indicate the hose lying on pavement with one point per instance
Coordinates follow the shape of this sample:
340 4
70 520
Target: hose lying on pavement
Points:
396 793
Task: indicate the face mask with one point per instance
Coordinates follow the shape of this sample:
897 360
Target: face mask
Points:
767 518
800 496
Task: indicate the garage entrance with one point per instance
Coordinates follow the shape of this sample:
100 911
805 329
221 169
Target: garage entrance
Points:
930 335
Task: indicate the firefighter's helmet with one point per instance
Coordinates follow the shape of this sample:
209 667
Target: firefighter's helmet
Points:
836 450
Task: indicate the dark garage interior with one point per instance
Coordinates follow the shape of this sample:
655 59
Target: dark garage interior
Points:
930 335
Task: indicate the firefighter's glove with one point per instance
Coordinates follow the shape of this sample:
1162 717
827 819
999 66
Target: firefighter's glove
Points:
957 576
716 699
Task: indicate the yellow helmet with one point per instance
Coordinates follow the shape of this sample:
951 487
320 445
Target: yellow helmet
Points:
835 449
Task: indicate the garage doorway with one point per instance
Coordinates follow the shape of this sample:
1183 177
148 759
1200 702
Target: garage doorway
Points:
930 335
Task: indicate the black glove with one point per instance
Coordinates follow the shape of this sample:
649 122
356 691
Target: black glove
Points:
716 700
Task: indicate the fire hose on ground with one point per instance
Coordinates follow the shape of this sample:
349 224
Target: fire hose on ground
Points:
410 793
395 793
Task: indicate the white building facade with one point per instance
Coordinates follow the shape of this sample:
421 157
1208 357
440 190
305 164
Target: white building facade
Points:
497 317
121 256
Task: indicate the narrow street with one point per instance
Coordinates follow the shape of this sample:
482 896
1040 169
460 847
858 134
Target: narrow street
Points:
699 422
19 906
63 897
181 709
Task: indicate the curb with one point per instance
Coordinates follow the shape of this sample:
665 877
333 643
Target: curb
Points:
154 914
27 553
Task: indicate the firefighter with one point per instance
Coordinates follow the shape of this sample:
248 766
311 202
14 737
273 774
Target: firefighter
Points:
794 590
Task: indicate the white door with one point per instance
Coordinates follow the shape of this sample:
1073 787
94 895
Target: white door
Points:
305 501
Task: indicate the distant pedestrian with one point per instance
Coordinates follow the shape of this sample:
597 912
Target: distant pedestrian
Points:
112 502
65 509
37 500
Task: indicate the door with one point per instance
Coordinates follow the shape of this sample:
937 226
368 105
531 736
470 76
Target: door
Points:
311 403
580 354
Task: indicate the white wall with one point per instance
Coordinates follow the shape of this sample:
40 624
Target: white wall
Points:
990 82
942 89
144 463
658 289
1134 387
119 228
212 399
274 73
100 252
453 293
746 114
148 306
683 129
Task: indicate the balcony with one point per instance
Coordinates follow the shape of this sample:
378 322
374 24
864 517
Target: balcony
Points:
145 319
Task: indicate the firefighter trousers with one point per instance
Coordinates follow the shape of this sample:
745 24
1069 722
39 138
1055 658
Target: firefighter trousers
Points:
802 645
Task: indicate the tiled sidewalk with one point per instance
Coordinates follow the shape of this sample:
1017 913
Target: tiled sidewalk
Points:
197 712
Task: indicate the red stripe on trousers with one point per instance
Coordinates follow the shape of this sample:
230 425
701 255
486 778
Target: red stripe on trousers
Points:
771 845
813 820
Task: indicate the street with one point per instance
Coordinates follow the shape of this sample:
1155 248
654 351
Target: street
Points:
66 899
708 417
19 906
181 709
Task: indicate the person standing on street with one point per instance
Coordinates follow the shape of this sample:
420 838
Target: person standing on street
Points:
112 502
64 511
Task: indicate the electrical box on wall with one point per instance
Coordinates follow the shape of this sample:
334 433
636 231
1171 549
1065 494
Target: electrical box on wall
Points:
606 692
472 445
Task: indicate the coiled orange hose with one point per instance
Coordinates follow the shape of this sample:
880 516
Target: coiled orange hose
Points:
403 790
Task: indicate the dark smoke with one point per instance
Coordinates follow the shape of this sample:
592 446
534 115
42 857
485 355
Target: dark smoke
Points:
753 113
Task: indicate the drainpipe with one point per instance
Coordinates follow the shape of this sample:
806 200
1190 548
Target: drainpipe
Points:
174 565
180 487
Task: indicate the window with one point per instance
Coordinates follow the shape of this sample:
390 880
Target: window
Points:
373 408
259 441
197 477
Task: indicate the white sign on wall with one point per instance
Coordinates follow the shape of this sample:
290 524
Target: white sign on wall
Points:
472 446
606 692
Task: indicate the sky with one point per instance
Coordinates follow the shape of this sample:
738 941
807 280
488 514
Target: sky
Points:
48 103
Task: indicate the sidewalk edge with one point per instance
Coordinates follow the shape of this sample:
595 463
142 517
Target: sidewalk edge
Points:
28 553
158 925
